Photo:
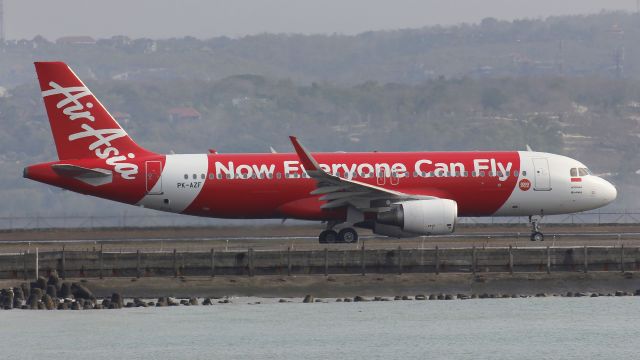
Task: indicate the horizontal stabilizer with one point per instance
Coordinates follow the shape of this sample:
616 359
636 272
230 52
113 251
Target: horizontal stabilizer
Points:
94 177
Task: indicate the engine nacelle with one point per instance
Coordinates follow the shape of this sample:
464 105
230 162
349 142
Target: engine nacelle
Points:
391 231
418 217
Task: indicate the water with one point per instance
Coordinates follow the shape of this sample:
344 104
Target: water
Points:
533 328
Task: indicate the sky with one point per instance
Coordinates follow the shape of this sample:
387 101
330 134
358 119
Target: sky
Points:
25 19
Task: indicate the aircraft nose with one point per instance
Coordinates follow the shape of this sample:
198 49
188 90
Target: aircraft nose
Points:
608 191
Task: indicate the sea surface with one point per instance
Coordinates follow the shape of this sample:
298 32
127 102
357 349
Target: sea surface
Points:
532 328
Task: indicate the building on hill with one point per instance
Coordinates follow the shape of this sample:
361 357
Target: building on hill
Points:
76 40
184 113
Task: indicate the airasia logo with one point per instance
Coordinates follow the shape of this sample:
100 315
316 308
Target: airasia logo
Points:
524 184
102 145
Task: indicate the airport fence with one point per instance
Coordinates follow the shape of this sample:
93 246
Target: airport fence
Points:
129 220
595 218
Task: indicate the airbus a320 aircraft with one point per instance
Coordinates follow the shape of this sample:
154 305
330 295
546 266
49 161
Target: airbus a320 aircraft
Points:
393 194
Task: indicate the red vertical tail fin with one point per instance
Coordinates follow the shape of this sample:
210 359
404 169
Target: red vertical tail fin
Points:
82 128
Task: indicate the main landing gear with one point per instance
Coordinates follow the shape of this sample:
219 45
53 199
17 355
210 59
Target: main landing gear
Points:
536 234
330 236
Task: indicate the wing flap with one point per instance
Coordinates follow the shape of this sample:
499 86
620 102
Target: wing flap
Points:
329 189
342 195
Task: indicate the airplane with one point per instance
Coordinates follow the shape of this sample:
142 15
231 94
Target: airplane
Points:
396 194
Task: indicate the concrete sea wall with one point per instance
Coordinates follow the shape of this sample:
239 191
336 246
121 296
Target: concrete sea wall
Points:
104 264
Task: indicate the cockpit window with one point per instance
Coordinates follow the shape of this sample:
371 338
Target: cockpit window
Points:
583 171
574 172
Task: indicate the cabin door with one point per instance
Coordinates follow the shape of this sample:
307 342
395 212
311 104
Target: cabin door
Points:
153 171
542 178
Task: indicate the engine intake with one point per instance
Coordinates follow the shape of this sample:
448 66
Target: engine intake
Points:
418 217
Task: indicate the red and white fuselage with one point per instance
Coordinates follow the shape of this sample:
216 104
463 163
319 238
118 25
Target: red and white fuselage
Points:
98 158
275 185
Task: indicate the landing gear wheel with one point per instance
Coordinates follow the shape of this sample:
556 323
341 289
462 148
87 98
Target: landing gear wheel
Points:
537 236
328 237
348 235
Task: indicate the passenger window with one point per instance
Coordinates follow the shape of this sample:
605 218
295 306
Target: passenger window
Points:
573 172
279 175
211 176
219 176
582 172
515 173
202 176
195 177
524 173
186 177
481 173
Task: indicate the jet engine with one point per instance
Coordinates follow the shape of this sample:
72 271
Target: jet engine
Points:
418 217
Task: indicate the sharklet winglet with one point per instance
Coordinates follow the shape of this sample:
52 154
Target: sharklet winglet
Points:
309 163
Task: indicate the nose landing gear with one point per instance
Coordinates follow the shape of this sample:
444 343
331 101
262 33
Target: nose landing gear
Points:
536 234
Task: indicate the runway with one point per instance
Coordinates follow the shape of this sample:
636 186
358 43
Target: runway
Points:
305 238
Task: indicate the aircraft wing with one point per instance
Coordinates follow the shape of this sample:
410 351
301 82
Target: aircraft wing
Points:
339 192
